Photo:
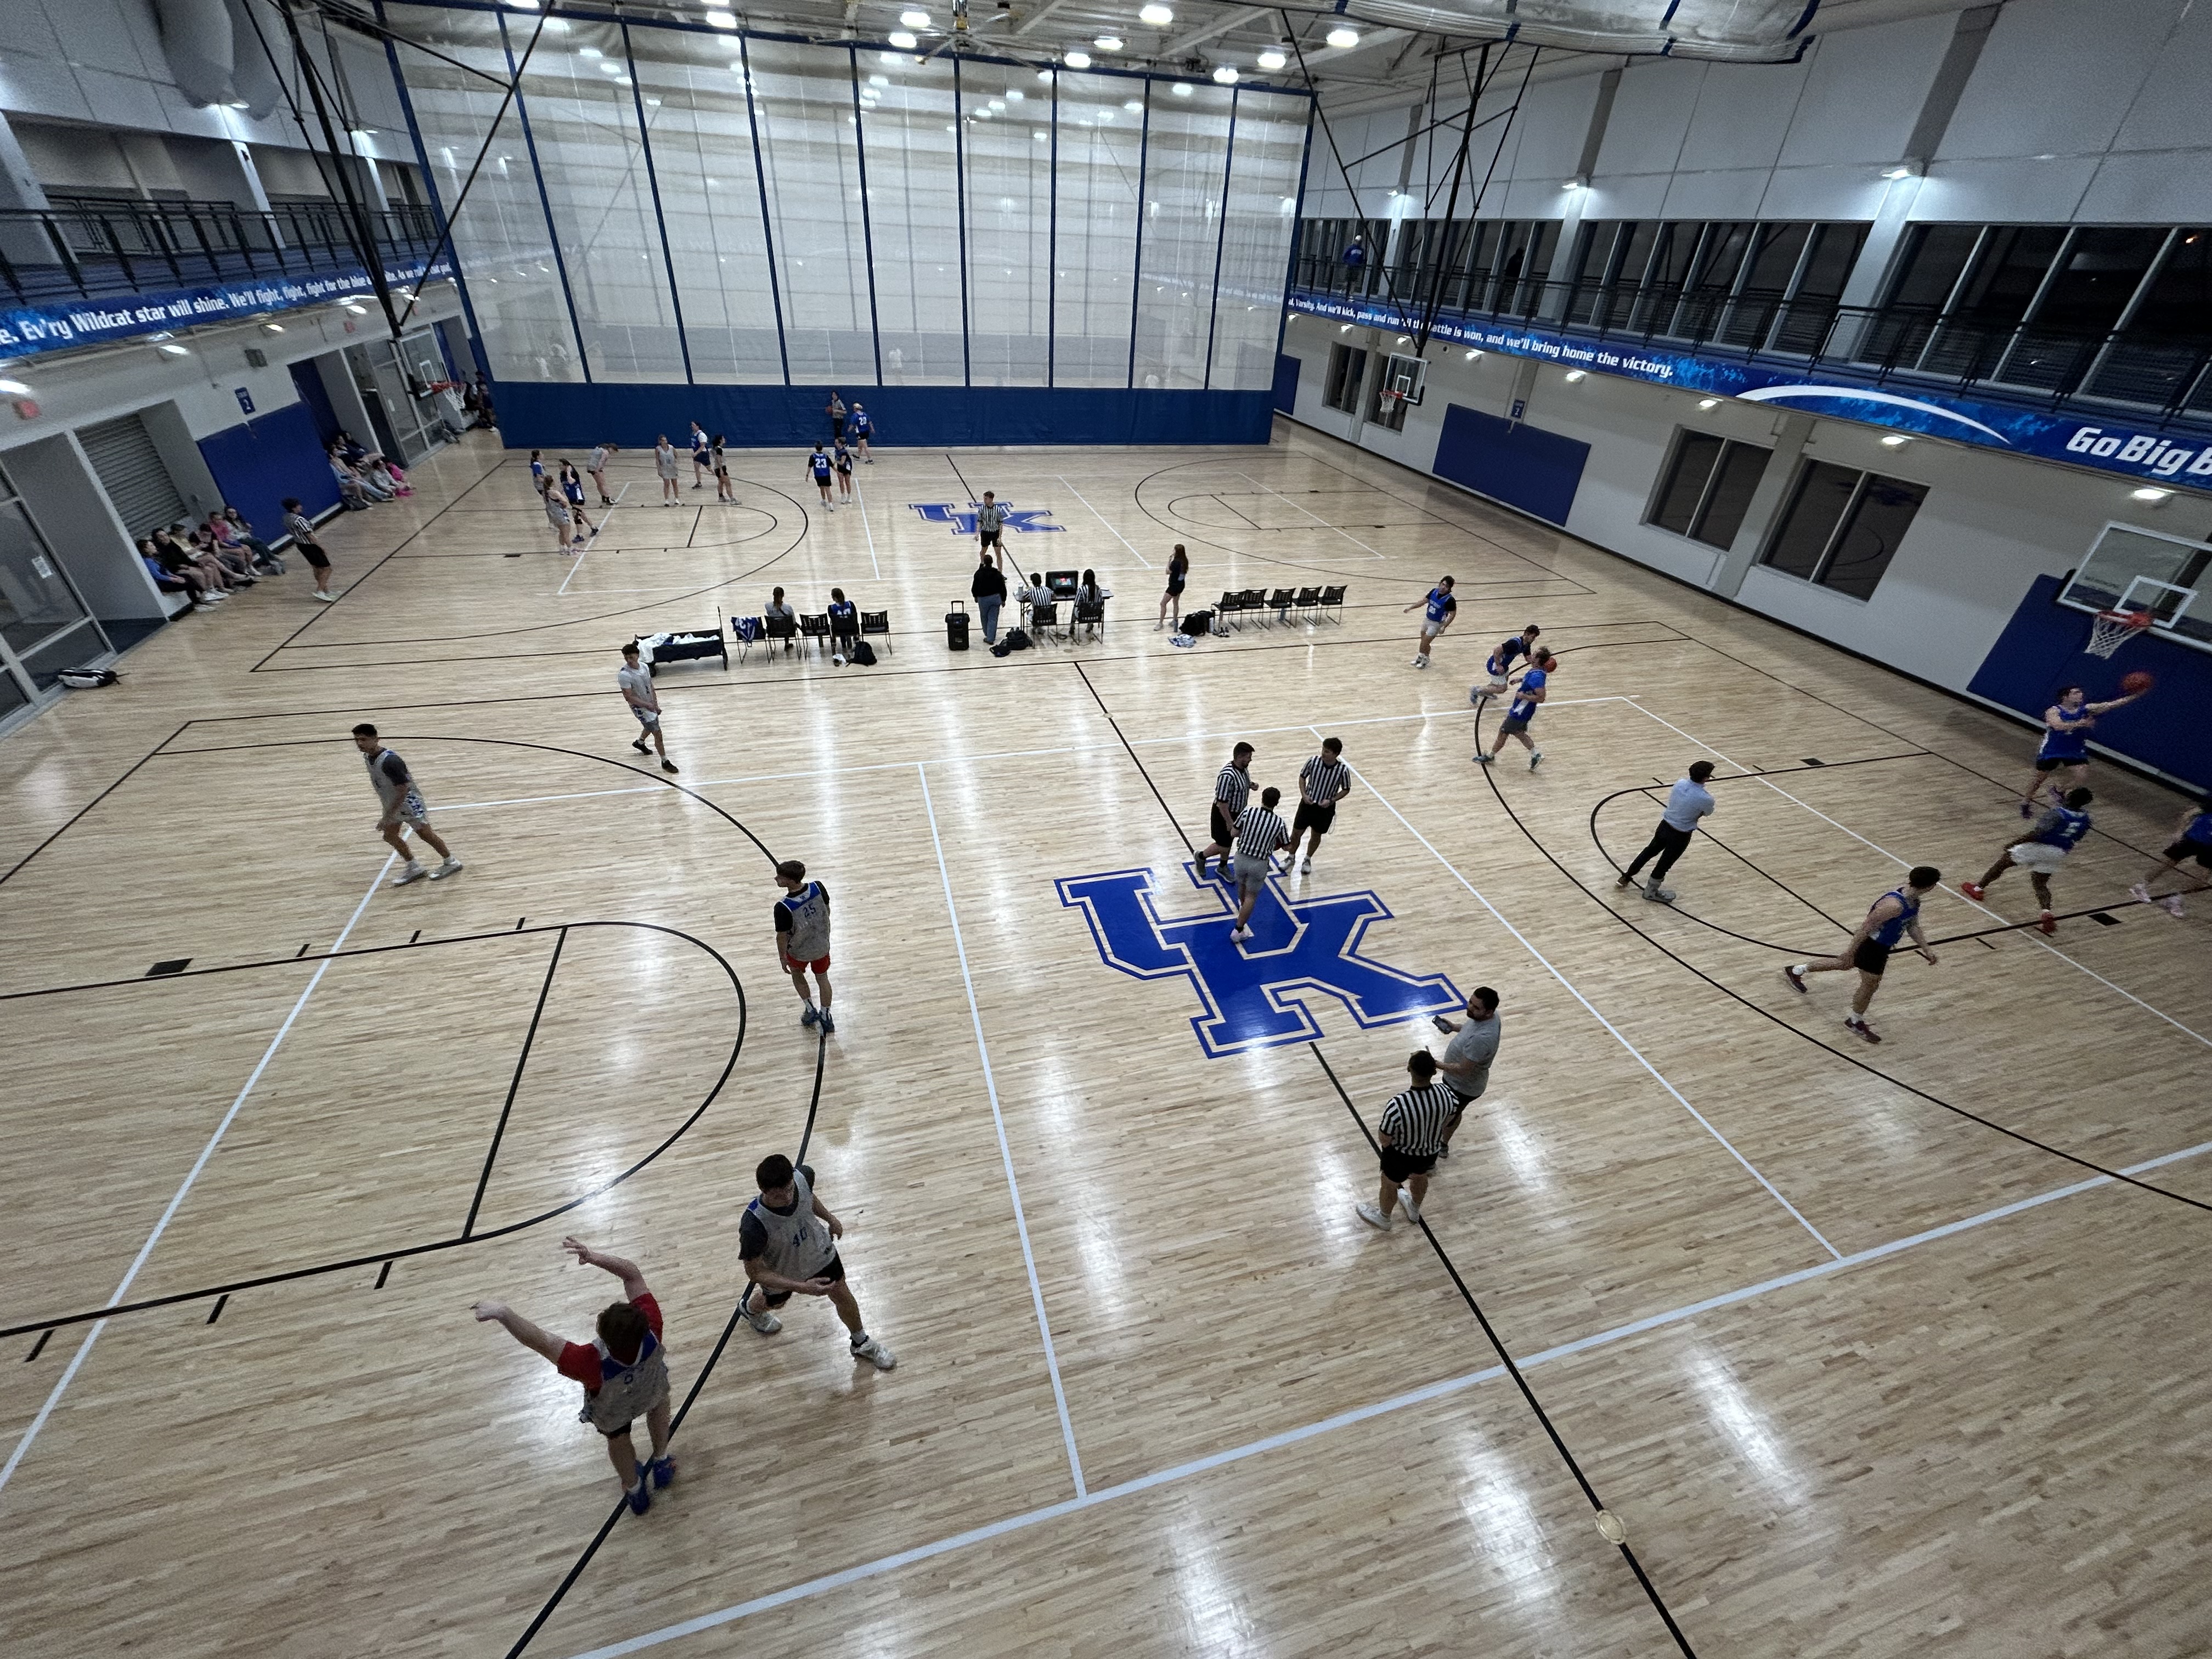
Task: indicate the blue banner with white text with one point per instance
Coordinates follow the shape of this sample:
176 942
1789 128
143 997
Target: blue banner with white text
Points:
61 324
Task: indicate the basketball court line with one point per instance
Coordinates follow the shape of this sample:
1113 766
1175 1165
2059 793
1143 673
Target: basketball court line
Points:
84 1348
2042 944
860 497
1436 1390
577 563
1006 1152
1101 517
1612 1030
1316 517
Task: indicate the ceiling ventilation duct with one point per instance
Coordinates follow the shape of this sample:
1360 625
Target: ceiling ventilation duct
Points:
1733 31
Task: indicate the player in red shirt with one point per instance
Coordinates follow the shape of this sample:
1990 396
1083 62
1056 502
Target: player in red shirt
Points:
623 1372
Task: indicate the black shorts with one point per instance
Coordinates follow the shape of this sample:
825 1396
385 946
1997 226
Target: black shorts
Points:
2199 850
1509 727
837 425
777 1298
1174 586
313 556
1318 818
1224 832
1397 1165
1871 958
990 538
2056 762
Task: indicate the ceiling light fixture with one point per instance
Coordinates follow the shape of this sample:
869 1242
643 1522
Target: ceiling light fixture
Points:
1108 43
357 310
1077 60
1471 355
721 20
1343 38
587 51
915 18
1273 58
902 40
1574 375
1135 106
1895 440
1182 88
1158 16
175 351
1225 74
14 389
2149 492
1015 95
1709 402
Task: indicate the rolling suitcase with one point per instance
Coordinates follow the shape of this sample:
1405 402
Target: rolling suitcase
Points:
955 628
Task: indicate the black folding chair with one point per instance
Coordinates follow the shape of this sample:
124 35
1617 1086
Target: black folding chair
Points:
1308 603
877 624
816 629
1091 614
785 628
1331 598
1044 621
1280 602
1224 614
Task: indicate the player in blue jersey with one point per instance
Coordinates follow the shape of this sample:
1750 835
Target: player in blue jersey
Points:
1437 608
821 469
1536 687
2062 761
860 430
702 455
1499 665
841 458
1895 913
2195 842
2056 833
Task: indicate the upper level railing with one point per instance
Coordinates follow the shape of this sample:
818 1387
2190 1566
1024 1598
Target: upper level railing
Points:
2162 376
90 248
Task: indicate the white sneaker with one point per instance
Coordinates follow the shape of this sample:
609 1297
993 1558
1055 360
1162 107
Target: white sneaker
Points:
764 1321
327 598
2171 905
409 871
1306 867
452 866
1659 894
1240 934
875 1354
1413 1210
1534 755
1374 1217
1420 662
2140 892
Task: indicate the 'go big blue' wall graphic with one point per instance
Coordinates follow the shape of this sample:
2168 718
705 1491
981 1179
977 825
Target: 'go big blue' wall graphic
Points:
1027 522
1297 946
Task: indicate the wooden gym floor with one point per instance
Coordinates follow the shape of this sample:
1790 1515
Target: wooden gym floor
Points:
1872 1351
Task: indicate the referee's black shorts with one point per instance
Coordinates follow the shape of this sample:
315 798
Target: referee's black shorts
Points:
1397 1165
1224 832
1311 815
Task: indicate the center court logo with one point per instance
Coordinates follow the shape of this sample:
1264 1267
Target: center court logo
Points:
1028 522
1309 945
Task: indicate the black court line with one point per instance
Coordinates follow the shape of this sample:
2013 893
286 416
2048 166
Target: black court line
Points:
323 611
1512 1369
70 823
514 1083
1433 482
2020 1135
1704 834
968 491
216 1312
1529 1394
676 1422
39 1347
384 1272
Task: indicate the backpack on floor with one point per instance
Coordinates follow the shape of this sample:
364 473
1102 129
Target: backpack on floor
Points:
862 655
1018 641
84 679
1198 623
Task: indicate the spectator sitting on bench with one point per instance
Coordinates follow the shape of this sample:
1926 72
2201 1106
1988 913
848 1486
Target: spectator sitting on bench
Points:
174 573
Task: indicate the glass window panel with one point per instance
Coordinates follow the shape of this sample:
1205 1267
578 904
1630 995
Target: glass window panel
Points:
1535 269
1823 492
1263 187
1878 523
914 218
2010 269
1101 141
500 238
1183 177
2179 303
1686 483
2103 267
1932 263
1008 171
702 156
1742 465
43 665
804 97
35 598
11 695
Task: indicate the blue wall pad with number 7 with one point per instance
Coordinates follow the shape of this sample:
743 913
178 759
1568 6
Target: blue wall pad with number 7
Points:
1511 461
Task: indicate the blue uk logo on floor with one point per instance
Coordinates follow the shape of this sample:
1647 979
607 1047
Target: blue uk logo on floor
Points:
1023 521
1310 945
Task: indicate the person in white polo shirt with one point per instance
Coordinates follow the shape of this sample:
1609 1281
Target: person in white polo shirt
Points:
1690 801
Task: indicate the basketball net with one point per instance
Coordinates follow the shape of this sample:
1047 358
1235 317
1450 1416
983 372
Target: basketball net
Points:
2113 629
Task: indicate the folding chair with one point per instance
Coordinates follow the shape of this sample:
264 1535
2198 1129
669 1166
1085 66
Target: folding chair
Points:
1224 614
747 632
1280 602
1252 600
1308 603
1044 621
785 628
877 624
816 629
1091 614
1331 598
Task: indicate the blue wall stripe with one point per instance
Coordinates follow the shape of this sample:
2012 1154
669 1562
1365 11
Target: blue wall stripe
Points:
537 173
660 220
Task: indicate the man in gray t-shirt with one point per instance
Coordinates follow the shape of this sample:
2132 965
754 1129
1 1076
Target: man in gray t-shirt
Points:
635 680
1689 802
1465 1069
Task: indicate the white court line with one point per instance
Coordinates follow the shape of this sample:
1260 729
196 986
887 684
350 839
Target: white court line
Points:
1618 1036
1316 517
860 497
1893 857
1006 1152
588 540
1101 517
1448 1386
69 1375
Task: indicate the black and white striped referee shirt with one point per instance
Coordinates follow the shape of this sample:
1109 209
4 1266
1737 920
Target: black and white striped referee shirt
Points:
1232 788
1260 832
1323 779
1415 1120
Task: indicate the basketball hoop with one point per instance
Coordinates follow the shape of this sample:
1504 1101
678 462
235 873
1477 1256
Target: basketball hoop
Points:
2114 629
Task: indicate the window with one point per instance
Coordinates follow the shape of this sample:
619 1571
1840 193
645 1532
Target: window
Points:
1347 367
1708 488
1841 527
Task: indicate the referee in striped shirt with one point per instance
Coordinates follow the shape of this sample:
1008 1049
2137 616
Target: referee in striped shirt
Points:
1413 1133
1232 787
1259 833
1323 780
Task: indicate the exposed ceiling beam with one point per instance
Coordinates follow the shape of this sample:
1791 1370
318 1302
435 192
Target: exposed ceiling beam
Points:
1234 19
1042 14
1323 60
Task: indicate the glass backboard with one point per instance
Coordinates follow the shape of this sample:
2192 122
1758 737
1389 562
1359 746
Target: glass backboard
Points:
2130 569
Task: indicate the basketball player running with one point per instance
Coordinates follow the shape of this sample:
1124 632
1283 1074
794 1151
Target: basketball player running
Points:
2056 833
2194 841
637 688
802 938
788 1240
1260 837
1499 666
403 810
841 458
1232 787
1323 780
1536 687
821 469
624 1371
2062 761
1412 1136
1895 913
1437 608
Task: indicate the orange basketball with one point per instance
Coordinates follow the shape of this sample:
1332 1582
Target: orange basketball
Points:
2136 683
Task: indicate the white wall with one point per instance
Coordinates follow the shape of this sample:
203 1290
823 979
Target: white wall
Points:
1991 524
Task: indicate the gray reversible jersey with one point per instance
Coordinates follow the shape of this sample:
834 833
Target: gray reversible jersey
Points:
799 1245
803 919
